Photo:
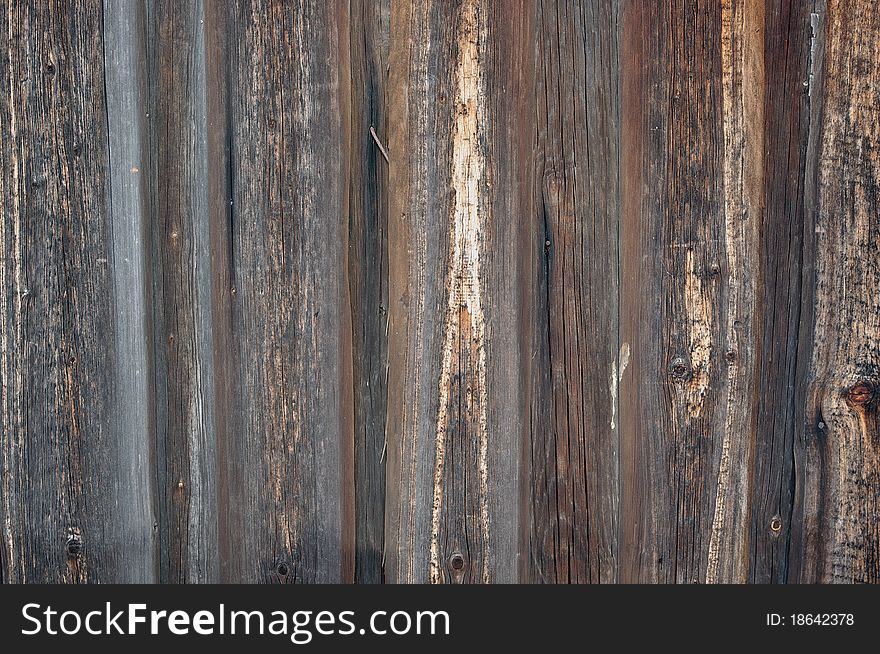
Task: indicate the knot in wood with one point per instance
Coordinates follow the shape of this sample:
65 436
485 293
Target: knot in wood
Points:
456 562
74 545
282 569
860 394
679 370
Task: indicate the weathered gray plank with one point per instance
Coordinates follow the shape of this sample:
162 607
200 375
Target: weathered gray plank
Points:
76 449
133 536
285 456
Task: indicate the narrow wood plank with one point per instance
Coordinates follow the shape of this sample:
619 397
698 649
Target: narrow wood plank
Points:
286 450
132 469
840 468
455 425
368 275
576 358
785 295
183 321
77 502
691 198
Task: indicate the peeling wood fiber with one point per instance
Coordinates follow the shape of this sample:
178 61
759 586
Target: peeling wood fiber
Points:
552 291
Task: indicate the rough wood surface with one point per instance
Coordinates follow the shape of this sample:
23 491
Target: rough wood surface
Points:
455 420
183 320
840 458
286 452
368 274
691 139
575 358
76 418
556 291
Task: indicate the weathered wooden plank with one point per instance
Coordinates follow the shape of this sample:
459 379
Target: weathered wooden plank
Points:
785 294
572 462
286 450
455 424
77 504
839 470
134 535
183 334
368 275
691 139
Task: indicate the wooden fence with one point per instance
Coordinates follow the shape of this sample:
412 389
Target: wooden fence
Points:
440 291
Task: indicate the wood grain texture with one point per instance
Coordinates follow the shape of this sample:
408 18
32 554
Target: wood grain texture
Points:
369 28
76 452
287 446
575 357
674 296
553 291
451 512
183 317
786 293
839 465
692 168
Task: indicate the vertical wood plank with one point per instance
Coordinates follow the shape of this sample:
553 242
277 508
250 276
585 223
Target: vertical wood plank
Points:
840 469
785 294
368 274
691 198
454 427
286 451
183 320
132 470
576 359
76 457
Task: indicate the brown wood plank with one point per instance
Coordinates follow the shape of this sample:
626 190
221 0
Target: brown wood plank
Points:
572 465
785 294
839 471
368 275
690 168
455 424
183 320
